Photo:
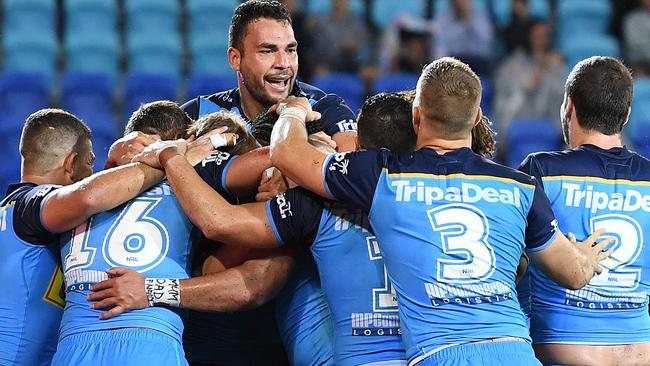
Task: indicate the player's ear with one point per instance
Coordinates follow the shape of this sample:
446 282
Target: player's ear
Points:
479 115
416 119
569 109
234 58
69 164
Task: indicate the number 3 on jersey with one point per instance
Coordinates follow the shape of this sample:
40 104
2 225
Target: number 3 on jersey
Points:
135 240
464 231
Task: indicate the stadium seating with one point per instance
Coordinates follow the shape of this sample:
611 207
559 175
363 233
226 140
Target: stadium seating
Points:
442 5
383 11
154 17
209 16
95 16
346 85
583 16
502 10
20 95
32 53
209 54
323 7
210 84
29 16
90 97
154 55
143 88
93 53
528 136
395 82
583 46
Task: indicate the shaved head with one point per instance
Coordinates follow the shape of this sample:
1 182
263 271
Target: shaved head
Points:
48 136
448 96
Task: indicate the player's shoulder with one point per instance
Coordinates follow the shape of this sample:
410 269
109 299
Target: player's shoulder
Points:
25 191
226 99
483 166
589 160
310 92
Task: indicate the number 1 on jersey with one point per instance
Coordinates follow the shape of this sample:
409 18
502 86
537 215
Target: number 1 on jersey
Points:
384 299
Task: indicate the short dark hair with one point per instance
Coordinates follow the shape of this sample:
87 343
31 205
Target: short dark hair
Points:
163 118
250 11
448 95
386 121
245 143
51 134
601 90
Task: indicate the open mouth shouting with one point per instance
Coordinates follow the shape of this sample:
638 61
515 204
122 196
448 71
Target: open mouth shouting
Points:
278 83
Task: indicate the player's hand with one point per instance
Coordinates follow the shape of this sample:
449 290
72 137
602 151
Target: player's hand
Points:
124 149
595 253
123 291
297 102
321 138
199 149
271 186
151 154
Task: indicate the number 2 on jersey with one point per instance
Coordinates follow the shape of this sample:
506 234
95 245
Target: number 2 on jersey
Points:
628 242
464 231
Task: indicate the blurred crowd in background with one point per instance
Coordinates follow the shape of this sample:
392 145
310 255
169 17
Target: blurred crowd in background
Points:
100 59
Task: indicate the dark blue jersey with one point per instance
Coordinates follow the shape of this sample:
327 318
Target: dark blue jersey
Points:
336 116
31 280
451 229
352 272
592 188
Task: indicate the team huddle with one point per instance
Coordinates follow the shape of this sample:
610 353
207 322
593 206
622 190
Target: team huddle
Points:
269 225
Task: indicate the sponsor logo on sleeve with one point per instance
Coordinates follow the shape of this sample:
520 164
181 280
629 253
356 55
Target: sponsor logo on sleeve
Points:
340 163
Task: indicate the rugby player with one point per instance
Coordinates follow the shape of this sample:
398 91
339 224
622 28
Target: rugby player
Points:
597 183
452 266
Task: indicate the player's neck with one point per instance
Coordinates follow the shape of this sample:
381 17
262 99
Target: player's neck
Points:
598 139
250 107
442 146
50 177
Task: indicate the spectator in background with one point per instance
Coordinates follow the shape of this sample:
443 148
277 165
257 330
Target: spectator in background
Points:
341 41
529 83
405 45
636 37
515 34
302 31
466 33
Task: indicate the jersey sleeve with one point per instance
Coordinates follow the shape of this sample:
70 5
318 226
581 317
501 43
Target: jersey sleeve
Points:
530 166
191 107
336 116
213 170
295 216
27 219
352 177
542 225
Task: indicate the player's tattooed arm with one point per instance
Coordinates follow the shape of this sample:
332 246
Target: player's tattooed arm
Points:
290 149
244 286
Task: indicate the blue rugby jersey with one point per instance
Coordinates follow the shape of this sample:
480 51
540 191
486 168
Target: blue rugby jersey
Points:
451 229
304 318
30 276
592 188
150 234
336 116
352 273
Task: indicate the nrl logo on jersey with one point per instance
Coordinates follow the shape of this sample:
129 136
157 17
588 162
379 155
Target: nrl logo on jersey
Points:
340 163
